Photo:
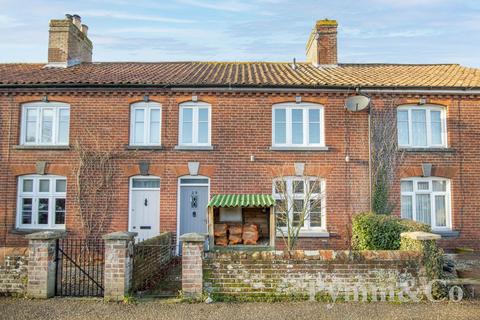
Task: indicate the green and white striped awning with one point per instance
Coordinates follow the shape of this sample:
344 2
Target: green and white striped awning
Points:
241 200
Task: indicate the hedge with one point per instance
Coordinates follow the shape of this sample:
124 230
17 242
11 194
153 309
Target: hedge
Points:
372 231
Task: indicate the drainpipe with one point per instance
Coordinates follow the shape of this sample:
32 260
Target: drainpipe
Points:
370 158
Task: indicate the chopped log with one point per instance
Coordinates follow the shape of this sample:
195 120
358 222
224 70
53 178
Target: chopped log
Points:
250 234
250 227
221 241
235 229
234 239
220 230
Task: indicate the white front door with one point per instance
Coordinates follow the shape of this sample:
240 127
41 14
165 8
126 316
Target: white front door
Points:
145 207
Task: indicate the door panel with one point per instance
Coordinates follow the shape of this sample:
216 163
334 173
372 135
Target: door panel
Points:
193 209
145 213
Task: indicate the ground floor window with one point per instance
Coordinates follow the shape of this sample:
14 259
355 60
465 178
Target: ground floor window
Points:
427 200
41 202
300 201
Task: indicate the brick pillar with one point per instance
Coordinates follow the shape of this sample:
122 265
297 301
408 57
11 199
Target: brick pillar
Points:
118 264
192 264
418 240
42 264
426 243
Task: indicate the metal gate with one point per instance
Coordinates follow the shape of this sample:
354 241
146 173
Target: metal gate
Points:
80 267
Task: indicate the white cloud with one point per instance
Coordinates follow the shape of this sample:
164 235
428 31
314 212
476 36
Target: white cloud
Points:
128 16
407 33
9 22
233 6
409 3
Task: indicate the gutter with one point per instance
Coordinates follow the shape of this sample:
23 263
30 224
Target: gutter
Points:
228 88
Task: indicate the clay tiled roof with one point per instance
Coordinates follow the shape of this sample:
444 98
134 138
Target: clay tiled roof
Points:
243 74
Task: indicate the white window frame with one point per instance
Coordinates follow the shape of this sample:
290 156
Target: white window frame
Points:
35 195
147 107
428 109
40 107
289 106
301 196
195 106
415 192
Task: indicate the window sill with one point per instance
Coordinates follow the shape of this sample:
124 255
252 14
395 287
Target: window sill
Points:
32 147
194 148
303 148
310 234
436 149
133 147
30 231
447 233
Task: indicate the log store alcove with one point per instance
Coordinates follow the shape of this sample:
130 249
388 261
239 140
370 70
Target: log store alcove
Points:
241 221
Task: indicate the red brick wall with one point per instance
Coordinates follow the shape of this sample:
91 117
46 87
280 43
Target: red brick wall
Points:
241 126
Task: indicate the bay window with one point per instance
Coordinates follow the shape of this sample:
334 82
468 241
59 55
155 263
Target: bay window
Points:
41 202
421 126
195 124
298 125
426 200
145 124
45 124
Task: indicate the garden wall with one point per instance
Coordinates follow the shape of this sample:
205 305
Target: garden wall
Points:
315 273
13 275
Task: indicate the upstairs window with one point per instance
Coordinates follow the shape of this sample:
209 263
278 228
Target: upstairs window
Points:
298 125
41 202
45 123
426 200
145 124
195 124
421 126
300 202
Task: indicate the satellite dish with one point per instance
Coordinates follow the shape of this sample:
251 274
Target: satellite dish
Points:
357 103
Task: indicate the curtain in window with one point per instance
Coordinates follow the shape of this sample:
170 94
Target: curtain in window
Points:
155 126
31 129
187 125
280 126
407 208
63 125
423 208
47 126
402 127
314 126
139 126
297 126
440 212
419 127
203 125
436 124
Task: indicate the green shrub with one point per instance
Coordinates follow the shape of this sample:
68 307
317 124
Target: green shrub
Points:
381 232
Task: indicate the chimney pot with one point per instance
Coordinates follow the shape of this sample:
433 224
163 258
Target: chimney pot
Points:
322 45
84 29
77 20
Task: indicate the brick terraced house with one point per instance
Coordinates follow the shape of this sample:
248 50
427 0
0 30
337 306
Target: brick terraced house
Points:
164 137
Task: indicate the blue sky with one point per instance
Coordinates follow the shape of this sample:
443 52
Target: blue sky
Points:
396 31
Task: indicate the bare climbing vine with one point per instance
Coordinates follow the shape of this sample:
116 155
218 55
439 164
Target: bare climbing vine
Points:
94 172
386 156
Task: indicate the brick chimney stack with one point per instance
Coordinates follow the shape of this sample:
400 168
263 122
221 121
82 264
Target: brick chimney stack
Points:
321 47
68 42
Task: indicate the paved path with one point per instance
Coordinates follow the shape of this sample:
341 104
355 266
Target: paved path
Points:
160 309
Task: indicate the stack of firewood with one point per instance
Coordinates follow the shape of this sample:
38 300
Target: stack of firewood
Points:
235 233
220 233
250 234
